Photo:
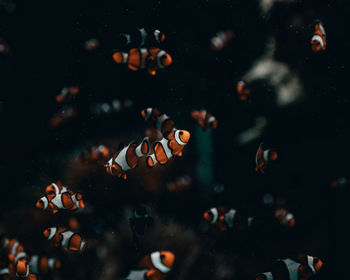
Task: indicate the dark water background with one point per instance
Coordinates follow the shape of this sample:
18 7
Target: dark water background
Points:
312 137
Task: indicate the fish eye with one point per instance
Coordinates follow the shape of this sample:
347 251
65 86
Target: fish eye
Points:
181 133
316 260
164 56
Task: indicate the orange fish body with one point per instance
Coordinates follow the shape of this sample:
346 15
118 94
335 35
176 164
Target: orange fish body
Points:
127 158
59 197
221 40
263 157
157 264
285 217
318 40
14 249
159 59
205 119
67 239
301 269
22 269
168 147
32 276
161 122
242 91
153 59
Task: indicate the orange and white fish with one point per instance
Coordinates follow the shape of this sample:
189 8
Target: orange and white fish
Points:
180 184
43 265
58 199
55 188
14 249
67 94
242 90
263 157
205 119
302 269
225 218
318 40
221 40
285 217
152 59
142 38
65 238
161 122
127 158
155 266
96 153
91 44
166 148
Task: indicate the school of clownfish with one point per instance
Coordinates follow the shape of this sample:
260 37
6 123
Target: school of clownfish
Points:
162 142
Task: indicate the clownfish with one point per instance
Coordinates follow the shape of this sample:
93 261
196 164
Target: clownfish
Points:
91 44
285 217
318 40
97 152
57 199
67 239
150 115
303 270
43 265
127 158
162 122
205 119
141 38
66 113
225 218
14 249
263 157
164 149
155 266
108 108
242 91
340 183
152 59
221 40
67 94
180 184
55 188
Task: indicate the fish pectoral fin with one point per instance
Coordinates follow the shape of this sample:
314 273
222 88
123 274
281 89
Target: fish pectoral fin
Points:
132 67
